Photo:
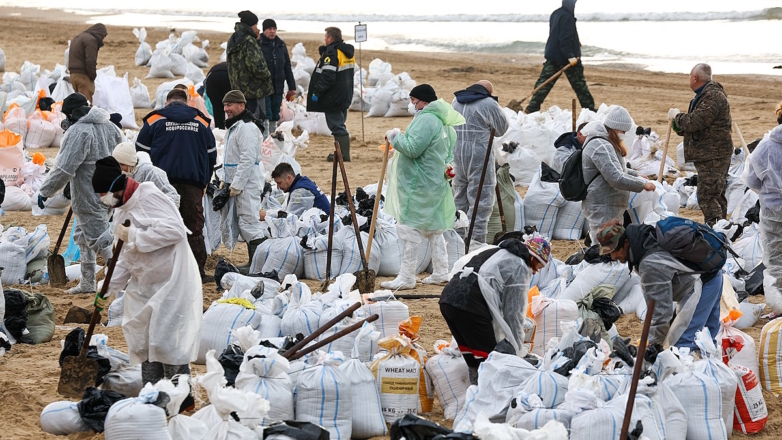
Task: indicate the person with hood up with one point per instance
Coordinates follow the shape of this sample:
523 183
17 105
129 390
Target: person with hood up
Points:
89 137
666 280
243 174
486 299
764 176
247 66
481 113
418 194
706 128
143 171
331 87
83 59
562 48
279 63
605 170
163 294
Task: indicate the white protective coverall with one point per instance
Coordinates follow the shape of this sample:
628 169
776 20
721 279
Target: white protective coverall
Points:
243 171
146 172
163 298
91 138
609 194
764 176
469 155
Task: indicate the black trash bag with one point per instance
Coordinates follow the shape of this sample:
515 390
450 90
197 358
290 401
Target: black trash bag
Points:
650 355
94 406
691 181
257 291
608 310
532 360
15 320
754 281
753 214
548 174
290 341
593 256
347 220
272 275
46 104
505 347
360 194
223 267
296 430
412 427
622 351
73 343
510 147
212 187
574 355
530 229
231 359
2 191
341 200
575 259
367 203
635 434
366 225
221 198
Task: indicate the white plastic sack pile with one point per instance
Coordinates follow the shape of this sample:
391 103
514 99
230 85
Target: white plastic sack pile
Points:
112 94
144 51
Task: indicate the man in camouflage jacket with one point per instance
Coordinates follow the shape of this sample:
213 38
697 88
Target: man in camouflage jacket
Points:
247 66
706 128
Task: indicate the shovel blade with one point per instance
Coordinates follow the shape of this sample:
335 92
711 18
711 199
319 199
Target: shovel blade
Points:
77 374
55 264
365 280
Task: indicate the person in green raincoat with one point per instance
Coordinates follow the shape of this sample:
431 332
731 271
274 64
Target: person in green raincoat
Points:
418 194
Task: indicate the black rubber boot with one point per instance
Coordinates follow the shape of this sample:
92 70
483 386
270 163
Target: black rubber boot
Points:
344 147
251 247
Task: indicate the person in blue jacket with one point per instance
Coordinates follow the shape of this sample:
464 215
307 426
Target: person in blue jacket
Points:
179 141
303 192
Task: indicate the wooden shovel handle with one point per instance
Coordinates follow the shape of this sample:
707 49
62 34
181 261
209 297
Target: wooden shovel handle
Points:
338 157
377 198
62 232
333 337
292 351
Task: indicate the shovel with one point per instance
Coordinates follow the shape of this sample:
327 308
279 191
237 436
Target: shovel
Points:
55 264
332 338
365 279
377 199
78 373
324 287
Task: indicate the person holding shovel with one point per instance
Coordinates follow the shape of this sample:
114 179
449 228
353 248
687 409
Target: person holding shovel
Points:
157 270
418 194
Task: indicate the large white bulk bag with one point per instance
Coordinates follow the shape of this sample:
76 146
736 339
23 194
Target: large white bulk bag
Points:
390 313
570 222
218 324
450 376
548 313
541 205
281 254
137 417
112 94
397 376
62 418
323 396
366 409
40 132
263 372
614 274
712 366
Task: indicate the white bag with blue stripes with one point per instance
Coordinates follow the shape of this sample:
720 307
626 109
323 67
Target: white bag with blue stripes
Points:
218 324
62 418
548 314
570 222
263 372
542 204
284 255
366 410
390 313
550 386
450 377
712 366
614 274
701 398
351 257
316 257
323 396
302 314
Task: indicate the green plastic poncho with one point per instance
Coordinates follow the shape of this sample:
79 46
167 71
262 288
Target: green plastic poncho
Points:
418 193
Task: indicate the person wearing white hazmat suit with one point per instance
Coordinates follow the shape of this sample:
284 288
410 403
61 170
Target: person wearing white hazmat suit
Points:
163 292
90 136
481 113
764 176
132 166
243 172
418 194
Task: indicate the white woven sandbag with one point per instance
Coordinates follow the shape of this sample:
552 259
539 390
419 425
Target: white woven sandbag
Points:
614 274
219 321
12 260
62 418
450 376
398 106
646 202
751 314
646 409
194 73
539 417
524 164
144 51
713 366
137 418
542 204
634 302
700 397
397 376
263 372
454 245
550 386
303 313
381 101
738 348
40 132
351 255
604 423
37 244
139 94
281 254
390 248
316 257
323 396
748 200
366 409
750 246
236 283
390 313
548 313
518 207
125 380
570 222
622 292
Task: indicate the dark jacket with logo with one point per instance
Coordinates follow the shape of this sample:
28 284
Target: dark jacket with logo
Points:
83 54
563 40
279 63
179 141
331 86
246 64
707 127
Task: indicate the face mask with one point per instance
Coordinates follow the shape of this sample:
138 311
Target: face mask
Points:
109 200
417 112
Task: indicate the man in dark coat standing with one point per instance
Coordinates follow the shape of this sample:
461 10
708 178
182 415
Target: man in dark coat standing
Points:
217 84
562 48
279 63
83 59
247 66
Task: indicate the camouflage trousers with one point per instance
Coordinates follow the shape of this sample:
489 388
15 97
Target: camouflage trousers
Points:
712 183
574 74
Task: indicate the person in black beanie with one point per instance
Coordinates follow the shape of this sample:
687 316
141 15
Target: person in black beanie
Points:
279 63
247 68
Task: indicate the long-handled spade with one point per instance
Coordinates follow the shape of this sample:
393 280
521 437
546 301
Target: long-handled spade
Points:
377 199
325 285
78 373
55 264
478 193
365 278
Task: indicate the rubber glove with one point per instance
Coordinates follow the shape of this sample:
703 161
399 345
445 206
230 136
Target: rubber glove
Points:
123 232
234 192
391 134
572 61
314 98
290 95
41 200
100 302
67 191
673 112
449 173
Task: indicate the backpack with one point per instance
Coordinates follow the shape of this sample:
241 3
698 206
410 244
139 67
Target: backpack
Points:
571 182
697 245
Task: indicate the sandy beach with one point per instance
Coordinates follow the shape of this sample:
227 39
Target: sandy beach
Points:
29 373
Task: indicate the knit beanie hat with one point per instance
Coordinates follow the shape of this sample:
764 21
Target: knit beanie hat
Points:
108 176
619 119
248 18
234 96
424 92
269 23
72 102
539 248
125 153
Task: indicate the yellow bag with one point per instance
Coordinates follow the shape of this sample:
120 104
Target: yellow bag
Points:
769 356
409 327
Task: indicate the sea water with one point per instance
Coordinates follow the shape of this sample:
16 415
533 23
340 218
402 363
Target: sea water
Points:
661 35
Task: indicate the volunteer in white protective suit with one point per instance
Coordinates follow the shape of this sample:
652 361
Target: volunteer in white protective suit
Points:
244 174
163 297
486 300
605 170
89 137
481 113
418 194
143 171
764 176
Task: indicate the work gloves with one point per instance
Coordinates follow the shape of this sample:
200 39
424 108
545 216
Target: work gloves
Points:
673 112
123 232
391 134
290 95
41 201
572 61
234 192
100 302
